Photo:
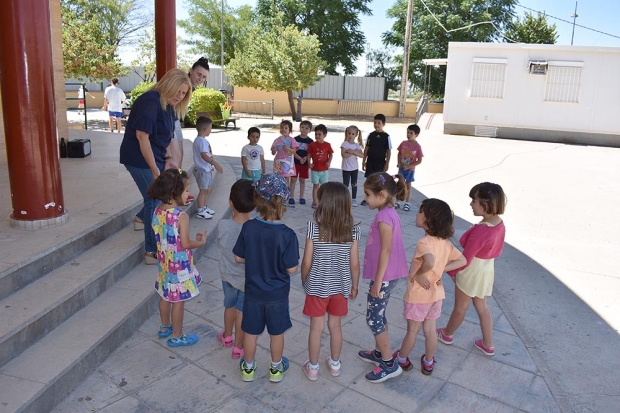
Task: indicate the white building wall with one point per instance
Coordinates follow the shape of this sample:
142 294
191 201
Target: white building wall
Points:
523 105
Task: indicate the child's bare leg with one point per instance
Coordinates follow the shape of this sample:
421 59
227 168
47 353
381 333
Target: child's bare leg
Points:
164 312
409 189
317 324
382 342
178 309
277 347
230 315
239 334
486 322
249 346
302 187
335 336
293 182
461 303
315 190
430 327
202 198
413 328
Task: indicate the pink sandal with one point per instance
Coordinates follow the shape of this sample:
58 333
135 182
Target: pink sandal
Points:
237 352
226 341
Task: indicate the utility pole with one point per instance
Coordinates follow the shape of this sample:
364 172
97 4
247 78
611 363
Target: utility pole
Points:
574 16
405 77
222 51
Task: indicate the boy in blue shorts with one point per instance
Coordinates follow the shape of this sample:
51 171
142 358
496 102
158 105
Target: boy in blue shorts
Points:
409 156
241 202
270 251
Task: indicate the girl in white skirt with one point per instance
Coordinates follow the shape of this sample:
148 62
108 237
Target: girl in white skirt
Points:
481 244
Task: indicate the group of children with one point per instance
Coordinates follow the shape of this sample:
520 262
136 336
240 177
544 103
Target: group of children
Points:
259 256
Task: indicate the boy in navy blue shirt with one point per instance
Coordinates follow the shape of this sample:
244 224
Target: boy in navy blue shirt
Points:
270 251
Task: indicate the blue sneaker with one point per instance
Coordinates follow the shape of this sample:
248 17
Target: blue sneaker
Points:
277 373
370 356
384 372
291 201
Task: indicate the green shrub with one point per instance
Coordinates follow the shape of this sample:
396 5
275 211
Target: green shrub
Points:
205 100
140 89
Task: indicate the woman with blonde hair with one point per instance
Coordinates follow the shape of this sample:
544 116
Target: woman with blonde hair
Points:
145 149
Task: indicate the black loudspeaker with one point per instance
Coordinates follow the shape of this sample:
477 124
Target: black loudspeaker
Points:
78 148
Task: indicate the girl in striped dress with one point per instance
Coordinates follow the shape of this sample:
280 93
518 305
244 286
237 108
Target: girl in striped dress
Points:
330 272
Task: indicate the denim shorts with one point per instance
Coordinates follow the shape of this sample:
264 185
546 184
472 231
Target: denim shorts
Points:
204 178
375 310
408 174
257 315
232 296
319 177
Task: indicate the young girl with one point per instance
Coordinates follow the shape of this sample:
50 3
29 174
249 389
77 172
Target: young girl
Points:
481 244
434 254
284 148
330 273
350 151
253 157
178 279
384 264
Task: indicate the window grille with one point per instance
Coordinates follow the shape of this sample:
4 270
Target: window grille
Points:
488 80
563 84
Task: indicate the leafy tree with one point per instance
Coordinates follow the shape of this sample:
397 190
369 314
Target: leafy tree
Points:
336 24
532 30
430 41
276 58
204 28
145 56
383 64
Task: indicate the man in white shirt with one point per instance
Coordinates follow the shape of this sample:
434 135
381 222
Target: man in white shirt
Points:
115 98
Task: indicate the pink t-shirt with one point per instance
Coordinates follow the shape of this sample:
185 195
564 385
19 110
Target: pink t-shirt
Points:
397 264
408 153
283 163
443 251
482 241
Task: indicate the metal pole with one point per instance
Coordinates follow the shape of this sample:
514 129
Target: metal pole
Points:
405 76
222 50
85 118
574 16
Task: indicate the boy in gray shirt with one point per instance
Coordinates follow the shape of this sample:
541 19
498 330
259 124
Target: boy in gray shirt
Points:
241 203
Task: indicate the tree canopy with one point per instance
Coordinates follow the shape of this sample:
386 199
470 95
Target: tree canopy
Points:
204 28
532 30
336 24
382 63
276 58
428 38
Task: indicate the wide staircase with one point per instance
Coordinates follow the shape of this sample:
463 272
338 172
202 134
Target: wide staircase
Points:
62 312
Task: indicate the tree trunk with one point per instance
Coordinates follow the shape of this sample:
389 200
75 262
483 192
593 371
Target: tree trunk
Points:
291 102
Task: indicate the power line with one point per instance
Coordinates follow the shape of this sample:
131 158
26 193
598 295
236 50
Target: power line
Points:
569 22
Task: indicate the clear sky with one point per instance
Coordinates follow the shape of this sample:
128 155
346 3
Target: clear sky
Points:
601 15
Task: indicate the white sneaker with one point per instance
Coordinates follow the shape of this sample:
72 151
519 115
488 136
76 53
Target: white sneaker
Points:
396 205
209 210
354 203
203 214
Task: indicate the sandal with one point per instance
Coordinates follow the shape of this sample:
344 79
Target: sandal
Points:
190 199
138 225
237 352
226 341
164 331
406 208
184 340
150 258
302 201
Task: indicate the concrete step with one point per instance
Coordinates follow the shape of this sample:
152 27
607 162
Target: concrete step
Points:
29 314
35 267
47 371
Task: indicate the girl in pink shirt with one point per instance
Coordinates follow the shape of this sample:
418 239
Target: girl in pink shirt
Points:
384 264
434 254
481 244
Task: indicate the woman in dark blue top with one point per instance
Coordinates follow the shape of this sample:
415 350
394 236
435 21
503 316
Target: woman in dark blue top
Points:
145 146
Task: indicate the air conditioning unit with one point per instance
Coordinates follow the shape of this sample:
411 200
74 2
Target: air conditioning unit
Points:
538 67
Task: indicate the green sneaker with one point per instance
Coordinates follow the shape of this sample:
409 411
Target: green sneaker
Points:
247 374
277 373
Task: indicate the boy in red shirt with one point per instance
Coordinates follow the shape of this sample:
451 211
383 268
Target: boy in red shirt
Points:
321 154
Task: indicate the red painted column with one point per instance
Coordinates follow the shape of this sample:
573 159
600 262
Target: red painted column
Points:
27 82
165 36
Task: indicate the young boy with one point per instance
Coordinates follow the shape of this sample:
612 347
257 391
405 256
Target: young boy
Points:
267 275
377 151
301 162
241 202
203 166
321 154
253 157
409 156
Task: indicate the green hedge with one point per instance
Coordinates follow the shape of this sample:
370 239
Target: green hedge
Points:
205 100
140 89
